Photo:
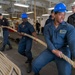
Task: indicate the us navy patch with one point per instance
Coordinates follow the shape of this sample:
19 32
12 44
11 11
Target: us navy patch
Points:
62 31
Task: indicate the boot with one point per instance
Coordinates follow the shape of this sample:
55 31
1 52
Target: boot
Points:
10 47
3 48
27 61
29 68
36 74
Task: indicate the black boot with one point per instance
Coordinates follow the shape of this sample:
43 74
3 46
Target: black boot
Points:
27 61
29 68
10 47
3 48
36 74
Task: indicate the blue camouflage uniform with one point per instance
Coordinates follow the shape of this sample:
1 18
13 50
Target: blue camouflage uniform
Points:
61 38
25 43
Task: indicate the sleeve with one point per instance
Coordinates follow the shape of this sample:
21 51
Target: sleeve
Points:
71 40
39 25
47 39
31 28
0 23
46 22
19 28
70 20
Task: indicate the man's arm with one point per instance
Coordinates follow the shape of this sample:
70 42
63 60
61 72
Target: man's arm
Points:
32 30
71 39
68 20
34 34
6 21
47 38
19 30
46 22
50 44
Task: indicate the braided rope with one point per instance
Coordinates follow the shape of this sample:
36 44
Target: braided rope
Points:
7 67
41 42
62 55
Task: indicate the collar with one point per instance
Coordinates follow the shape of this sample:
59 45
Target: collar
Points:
63 23
60 25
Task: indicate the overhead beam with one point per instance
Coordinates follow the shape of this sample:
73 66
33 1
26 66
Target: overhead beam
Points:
4 2
38 3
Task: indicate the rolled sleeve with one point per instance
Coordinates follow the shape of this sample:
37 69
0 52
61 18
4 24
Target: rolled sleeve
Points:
47 38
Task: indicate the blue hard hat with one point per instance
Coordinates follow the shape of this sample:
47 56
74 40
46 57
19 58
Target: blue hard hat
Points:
24 15
60 7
